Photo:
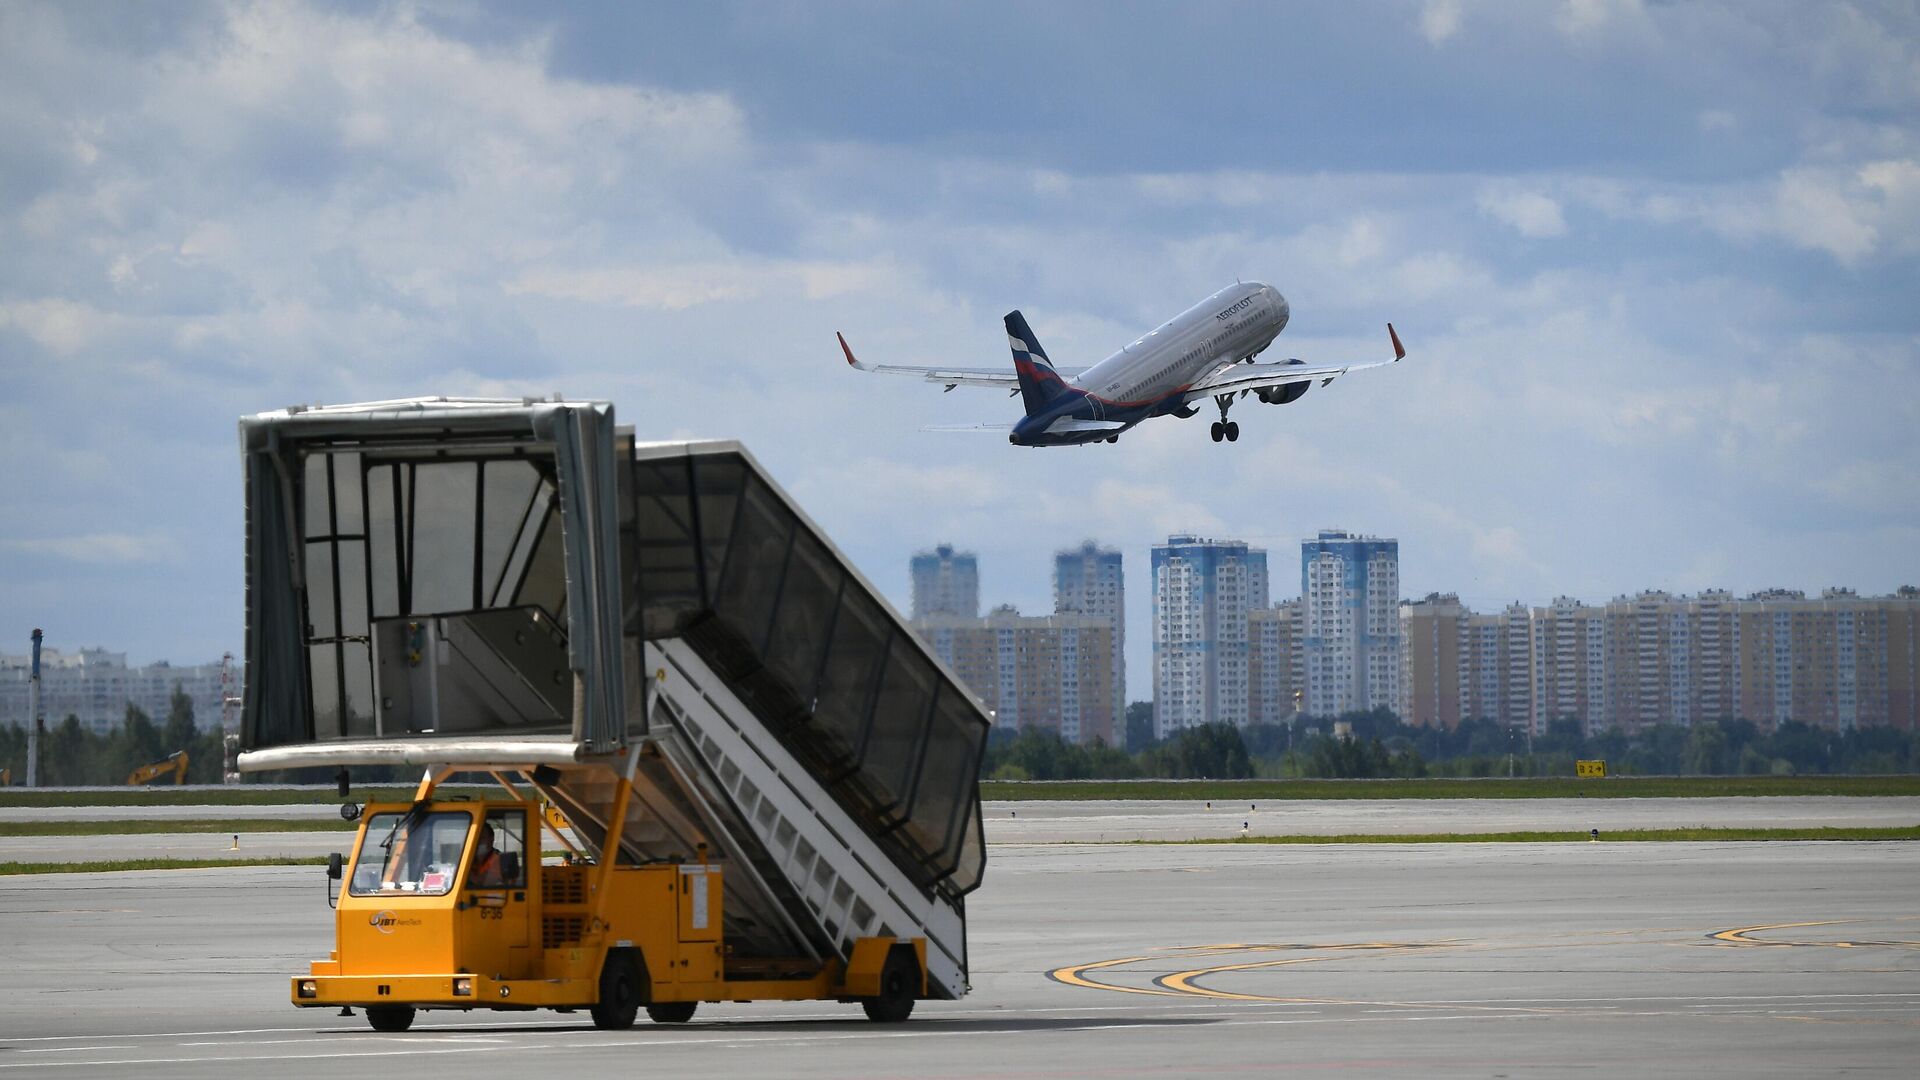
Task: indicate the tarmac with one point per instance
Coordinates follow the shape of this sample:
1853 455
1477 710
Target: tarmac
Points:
1095 960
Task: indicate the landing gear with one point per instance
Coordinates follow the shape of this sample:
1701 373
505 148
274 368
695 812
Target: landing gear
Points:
1224 428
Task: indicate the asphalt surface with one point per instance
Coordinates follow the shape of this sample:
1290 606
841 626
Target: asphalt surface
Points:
1096 961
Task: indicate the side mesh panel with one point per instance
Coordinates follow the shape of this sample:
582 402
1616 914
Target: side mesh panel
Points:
723 562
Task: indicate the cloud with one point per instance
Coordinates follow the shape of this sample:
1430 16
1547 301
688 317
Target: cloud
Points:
678 287
265 204
111 548
1529 213
57 325
1439 20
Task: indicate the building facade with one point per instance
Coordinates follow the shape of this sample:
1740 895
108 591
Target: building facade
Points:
1274 663
1090 580
1051 672
945 582
97 686
1837 661
1203 591
1350 601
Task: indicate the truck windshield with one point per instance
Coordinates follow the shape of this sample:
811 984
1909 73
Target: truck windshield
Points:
405 855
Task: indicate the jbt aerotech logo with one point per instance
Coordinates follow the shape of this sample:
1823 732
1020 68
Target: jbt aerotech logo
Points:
385 921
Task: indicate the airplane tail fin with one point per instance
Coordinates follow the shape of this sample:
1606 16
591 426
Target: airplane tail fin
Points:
1039 383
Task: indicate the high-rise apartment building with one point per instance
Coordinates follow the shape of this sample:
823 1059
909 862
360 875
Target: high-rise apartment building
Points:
1433 661
96 686
1350 597
1274 663
1052 672
1838 661
946 582
1088 580
1202 593
1569 665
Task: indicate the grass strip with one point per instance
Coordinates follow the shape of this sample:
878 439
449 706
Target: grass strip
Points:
108 866
102 866
124 827
230 795
1620 787
1892 832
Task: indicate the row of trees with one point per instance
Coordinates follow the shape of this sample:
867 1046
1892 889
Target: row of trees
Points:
1377 744
72 755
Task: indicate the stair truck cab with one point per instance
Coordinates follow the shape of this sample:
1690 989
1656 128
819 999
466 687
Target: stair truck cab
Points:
768 784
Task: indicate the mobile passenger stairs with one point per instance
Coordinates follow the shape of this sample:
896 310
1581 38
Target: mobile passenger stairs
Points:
768 785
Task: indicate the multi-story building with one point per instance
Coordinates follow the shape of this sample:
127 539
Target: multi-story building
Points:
1274 663
97 686
1838 661
1052 672
1569 680
1350 603
1089 580
1202 592
946 582
1434 653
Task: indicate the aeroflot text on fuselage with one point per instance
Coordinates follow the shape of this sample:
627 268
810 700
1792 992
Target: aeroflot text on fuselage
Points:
1204 352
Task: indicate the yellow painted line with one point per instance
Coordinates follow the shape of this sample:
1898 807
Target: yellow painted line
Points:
1183 982
1072 977
1739 936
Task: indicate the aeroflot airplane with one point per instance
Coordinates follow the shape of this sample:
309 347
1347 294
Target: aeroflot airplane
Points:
1204 352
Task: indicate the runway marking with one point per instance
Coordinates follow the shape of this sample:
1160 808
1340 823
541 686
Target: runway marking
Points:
1743 936
1072 977
1181 984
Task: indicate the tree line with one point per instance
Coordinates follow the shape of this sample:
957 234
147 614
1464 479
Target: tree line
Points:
1373 744
1377 744
74 755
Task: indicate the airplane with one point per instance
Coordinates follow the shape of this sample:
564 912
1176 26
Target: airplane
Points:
1204 352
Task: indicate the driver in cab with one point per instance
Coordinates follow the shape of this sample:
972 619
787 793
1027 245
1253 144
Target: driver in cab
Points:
489 871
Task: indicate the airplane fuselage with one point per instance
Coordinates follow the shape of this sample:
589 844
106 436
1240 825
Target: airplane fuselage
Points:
1151 376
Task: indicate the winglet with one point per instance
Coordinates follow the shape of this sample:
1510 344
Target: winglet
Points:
857 365
1399 350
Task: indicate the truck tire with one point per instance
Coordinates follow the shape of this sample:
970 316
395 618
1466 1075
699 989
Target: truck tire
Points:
390 1017
619 993
899 981
671 1012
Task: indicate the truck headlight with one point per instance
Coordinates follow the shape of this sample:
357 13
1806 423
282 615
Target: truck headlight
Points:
308 989
463 988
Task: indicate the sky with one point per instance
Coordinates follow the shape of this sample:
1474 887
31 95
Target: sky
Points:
1657 268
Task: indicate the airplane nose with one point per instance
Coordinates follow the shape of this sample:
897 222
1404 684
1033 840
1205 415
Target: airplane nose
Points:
1281 312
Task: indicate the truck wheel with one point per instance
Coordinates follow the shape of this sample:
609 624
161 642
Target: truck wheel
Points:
619 994
390 1017
899 979
671 1012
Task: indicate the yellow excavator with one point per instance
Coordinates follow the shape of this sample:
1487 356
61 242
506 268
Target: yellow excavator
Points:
175 763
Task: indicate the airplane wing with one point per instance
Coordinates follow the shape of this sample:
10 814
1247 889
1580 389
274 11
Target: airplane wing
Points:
974 429
1238 378
950 377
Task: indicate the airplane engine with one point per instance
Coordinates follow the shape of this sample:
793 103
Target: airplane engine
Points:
1284 395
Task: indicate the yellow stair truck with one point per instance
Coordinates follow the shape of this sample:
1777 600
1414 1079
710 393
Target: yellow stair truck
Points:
768 784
